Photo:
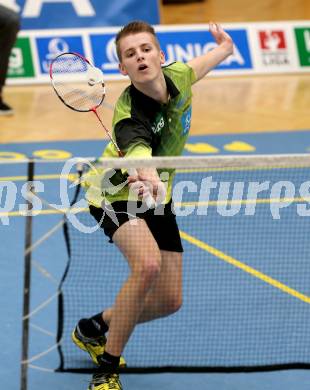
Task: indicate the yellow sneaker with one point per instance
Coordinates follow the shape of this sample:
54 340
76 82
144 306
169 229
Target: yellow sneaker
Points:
104 381
94 346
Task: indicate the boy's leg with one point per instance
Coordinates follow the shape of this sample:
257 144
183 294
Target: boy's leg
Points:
144 267
165 297
139 247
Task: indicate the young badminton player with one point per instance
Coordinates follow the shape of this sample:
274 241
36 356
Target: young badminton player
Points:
152 118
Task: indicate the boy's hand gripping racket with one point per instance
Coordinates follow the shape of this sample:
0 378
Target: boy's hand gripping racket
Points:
84 95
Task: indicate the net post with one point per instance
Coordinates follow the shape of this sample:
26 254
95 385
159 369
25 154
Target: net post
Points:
27 279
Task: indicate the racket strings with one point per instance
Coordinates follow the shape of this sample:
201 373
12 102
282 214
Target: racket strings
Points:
81 99
68 63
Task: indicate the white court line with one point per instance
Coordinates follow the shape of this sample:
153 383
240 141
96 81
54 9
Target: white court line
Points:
44 272
41 368
39 355
44 331
40 307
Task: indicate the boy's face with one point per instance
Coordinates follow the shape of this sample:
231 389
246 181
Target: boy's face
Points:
141 58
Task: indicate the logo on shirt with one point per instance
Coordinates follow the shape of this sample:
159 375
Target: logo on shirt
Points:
158 124
186 120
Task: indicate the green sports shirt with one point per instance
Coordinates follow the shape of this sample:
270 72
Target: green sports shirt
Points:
143 127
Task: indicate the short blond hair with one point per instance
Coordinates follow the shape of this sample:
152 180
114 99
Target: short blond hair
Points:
134 27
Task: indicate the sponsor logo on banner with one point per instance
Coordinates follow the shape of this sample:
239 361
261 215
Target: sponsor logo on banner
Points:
104 52
177 46
274 49
47 14
303 45
185 45
20 63
50 47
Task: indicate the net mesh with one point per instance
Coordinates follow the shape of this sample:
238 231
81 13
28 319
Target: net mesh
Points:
83 95
244 224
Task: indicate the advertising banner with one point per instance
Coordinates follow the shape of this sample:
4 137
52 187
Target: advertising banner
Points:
49 47
303 45
185 45
258 48
178 46
51 14
21 63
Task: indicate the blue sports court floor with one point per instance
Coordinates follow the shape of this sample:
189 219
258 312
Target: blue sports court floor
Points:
49 262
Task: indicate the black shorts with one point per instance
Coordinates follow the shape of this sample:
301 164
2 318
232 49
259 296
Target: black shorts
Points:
163 226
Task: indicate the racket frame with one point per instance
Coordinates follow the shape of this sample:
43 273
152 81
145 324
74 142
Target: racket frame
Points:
55 89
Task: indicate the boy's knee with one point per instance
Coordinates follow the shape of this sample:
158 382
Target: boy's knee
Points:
150 270
174 303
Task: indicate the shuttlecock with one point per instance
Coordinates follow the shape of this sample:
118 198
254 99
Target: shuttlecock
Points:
94 76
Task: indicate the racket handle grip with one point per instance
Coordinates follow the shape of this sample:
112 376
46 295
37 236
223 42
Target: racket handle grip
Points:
149 200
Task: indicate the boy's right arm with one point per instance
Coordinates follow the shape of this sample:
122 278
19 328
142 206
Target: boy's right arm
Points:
206 62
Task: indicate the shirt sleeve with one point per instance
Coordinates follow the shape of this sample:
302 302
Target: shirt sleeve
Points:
129 133
137 150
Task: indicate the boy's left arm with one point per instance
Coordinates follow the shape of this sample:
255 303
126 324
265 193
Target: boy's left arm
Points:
203 64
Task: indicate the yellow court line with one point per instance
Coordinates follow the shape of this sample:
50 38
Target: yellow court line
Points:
17 213
38 177
252 271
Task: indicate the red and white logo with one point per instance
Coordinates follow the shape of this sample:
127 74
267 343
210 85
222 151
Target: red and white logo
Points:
272 40
273 48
